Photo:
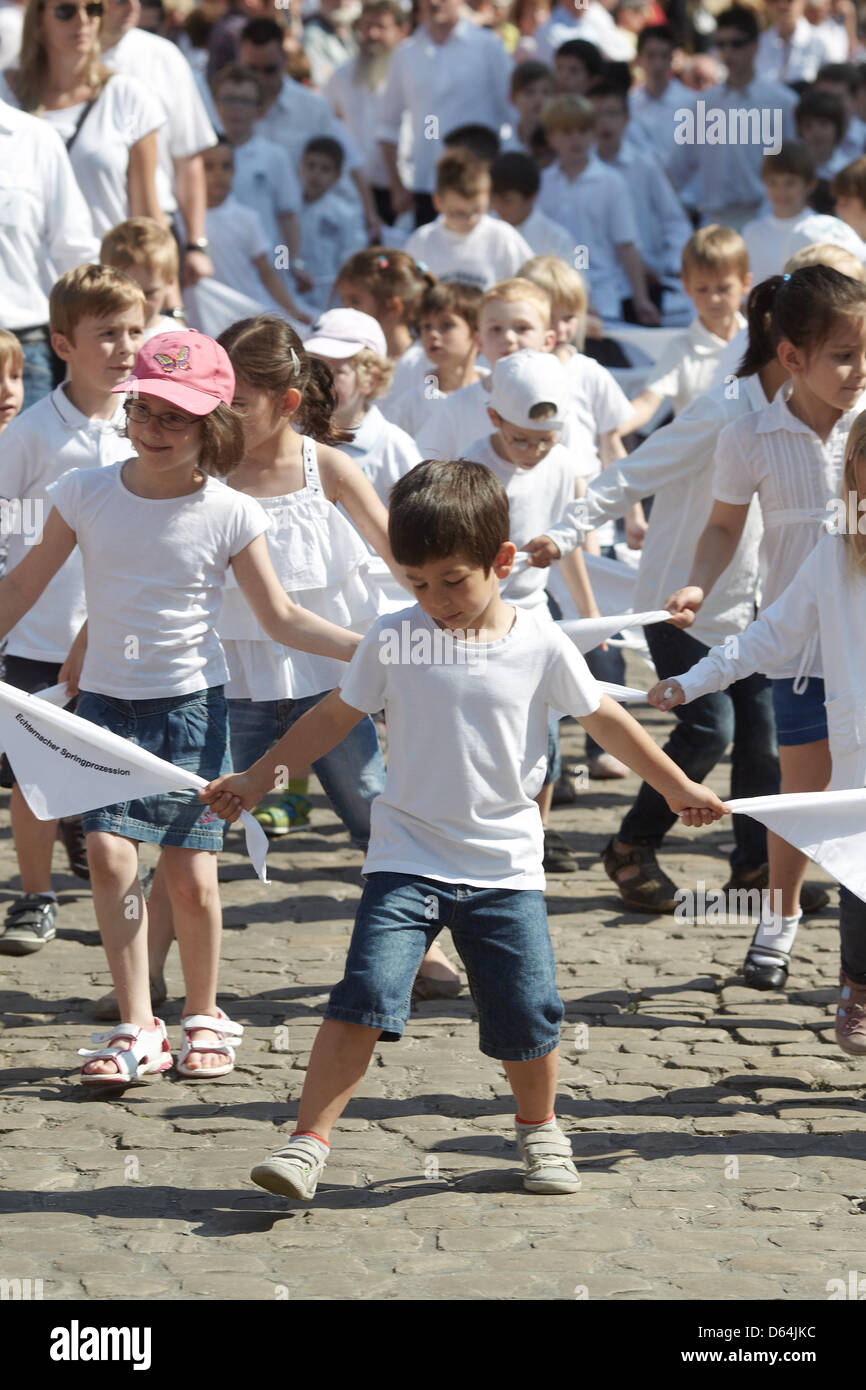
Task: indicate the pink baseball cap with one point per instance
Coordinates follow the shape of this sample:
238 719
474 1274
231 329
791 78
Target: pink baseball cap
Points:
186 368
343 333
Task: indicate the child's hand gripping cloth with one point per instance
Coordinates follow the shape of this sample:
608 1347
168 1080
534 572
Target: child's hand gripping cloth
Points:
65 765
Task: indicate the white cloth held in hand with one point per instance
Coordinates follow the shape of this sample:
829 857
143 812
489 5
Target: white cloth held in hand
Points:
829 827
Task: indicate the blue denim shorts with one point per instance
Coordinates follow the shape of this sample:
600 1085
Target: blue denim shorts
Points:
352 774
189 730
501 936
799 718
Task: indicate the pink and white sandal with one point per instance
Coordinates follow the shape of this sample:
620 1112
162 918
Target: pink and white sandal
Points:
149 1052
224 1029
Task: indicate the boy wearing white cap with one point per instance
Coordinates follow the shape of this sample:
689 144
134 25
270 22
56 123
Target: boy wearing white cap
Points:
353 345
528 406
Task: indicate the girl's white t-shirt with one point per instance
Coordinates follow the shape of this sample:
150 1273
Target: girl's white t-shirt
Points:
124 112
467 739
154 570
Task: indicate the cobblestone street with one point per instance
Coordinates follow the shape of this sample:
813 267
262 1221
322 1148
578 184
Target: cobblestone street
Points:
719 1132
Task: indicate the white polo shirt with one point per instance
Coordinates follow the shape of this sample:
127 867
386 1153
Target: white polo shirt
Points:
597 210
791 60
443 86
655 117
688 365
37 448
187 129
265 181
45 225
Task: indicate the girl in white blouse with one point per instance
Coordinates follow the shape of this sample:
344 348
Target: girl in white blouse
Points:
107 121
791 454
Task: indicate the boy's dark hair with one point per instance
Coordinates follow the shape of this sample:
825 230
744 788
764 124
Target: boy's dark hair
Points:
591 57
262 31
793 158
479 140
458 171
611 88
850 182
662 32
514 172
526 74
822 106
847 73
802 308
237 73
455 297
738 17
328 146
444 508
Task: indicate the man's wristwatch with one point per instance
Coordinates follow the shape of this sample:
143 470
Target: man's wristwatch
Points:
202 244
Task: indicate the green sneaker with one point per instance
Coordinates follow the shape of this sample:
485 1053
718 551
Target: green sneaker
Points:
292 812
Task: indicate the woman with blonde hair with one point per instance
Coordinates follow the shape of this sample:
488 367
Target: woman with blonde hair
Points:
107 121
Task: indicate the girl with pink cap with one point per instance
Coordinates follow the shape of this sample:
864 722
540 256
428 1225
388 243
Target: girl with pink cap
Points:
158 534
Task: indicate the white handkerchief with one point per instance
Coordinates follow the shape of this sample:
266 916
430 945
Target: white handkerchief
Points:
830 827
625 694
65 765
587 633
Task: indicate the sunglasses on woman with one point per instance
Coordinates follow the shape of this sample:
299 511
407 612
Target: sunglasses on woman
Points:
68 10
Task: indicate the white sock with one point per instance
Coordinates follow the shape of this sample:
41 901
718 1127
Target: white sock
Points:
776 933
307 1134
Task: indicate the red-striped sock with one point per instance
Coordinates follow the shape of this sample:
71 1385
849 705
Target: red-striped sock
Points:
310 1134
533 1124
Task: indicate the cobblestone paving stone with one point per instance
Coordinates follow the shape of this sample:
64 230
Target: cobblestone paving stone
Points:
719 1132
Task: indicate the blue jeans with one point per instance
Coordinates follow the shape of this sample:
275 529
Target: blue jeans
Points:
38 372
741 715
352 774
501 936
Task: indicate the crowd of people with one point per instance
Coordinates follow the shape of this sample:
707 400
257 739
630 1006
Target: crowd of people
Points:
317 343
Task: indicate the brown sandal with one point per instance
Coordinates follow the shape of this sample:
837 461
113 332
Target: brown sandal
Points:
650 890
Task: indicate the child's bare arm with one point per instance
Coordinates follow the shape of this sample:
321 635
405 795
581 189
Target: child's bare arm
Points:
644 406
345 482
715 550
282 619
23 585
277 290
70 671
620 734
314 735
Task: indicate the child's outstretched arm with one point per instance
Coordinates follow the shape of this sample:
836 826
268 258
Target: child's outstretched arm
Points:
282 619
23 585
346 483
70 671
618 733
314 735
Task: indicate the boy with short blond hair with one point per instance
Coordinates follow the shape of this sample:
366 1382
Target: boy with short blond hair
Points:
716 278
97 316
147 252
594 204
465 242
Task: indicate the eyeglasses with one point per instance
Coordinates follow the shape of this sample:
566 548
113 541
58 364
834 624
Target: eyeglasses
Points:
66 11
733 43
140 414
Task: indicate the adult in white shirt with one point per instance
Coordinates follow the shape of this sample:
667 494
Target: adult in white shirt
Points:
653 106
294 114
575 19
448 73
187 130
354 90
45 229
107 122
791 50
729 188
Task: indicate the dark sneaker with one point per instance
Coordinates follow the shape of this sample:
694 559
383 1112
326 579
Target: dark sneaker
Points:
29 924
851 1016
558 858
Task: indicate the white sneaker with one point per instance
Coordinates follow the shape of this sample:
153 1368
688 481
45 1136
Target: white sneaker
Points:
547 1158
293 1171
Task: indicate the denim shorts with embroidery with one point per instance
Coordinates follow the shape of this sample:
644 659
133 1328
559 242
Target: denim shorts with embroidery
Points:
191 731
501 936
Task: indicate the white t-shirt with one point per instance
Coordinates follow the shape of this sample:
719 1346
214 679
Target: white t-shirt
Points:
36 449
468 741
688 365
265 181
491 251
409 371
154 570
546 237
766 239
382 451
124 112
236 238
537 497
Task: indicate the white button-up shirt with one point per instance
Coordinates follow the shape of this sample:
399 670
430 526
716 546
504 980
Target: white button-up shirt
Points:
791 60
654 118
358 106
45 224
597 209
663 227
444 85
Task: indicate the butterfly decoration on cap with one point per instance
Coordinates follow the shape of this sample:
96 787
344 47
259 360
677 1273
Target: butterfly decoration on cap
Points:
179 363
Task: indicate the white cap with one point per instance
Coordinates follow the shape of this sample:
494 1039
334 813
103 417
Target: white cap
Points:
525 379
343 332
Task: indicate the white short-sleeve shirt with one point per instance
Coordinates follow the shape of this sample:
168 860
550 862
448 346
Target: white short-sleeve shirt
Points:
154 570
492 251
467 734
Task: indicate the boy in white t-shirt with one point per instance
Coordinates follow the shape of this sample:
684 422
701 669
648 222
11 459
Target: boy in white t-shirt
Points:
448 333
331 227
467 682
465 242
716 278
147 252
97 319
237 244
